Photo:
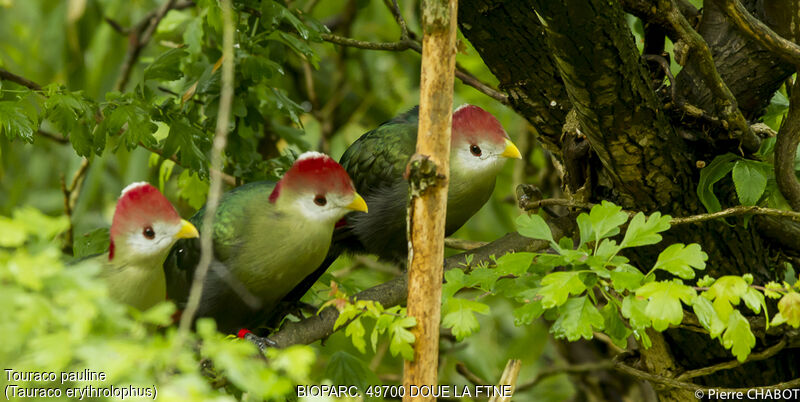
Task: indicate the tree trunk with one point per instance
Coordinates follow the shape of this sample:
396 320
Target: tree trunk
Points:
551 57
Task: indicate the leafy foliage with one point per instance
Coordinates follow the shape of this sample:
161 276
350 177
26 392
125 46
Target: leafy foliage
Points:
591 287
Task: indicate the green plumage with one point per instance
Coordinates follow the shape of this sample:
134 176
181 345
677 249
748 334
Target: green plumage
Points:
260 254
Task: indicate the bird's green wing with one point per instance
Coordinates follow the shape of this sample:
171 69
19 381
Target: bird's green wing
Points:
378 158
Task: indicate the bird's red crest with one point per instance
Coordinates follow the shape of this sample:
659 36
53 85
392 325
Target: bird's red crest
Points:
471 120
317 171
141 204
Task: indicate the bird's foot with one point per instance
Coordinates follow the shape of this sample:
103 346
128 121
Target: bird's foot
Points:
261 342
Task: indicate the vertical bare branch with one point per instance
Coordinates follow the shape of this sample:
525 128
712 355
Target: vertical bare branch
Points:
428 178
215 185
785 148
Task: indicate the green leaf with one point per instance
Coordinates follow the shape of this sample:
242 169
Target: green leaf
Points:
679 259
14 123
633 309
557 286
94 242
738 337
133 122
711 174
525 314
192 189
12 233
402 339
167 66
644 231
187 141
664 306
455 280
585 228
749 180
708 317
754 300
345 368
577 318
459 315
626 277
726 293
355 330
514 264
535 227
606 219
789 308
614 327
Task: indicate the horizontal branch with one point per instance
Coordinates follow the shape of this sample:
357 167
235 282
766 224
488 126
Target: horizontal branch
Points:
406 44
393 292
763 355
6 75
733 211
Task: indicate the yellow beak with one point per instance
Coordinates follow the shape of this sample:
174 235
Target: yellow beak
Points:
358 204
187 231
511 150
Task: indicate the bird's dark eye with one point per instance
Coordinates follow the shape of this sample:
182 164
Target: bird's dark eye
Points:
320 200
476 150
149 233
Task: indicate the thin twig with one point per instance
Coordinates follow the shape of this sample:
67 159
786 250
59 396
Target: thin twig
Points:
70 198
763 355
138 38
572 369
215 183
398 16
405 44
462 369
461 244
733 211
53 137
6 75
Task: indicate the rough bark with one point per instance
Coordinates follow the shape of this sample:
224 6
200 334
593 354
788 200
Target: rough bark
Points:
507 33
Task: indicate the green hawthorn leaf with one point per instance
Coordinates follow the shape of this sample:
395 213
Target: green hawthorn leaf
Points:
187 141
14 123
626 277
455 280
166 67
679 259
705 281
345 368
726 293
535 227
355 330
644 231
607 249
483 278
614 327
771 290
738 337
789 308
749 180
525 314
585 228
514 264
134 124
459 315
708 316
192 189
402 338
94 242
577 318
606 219
664 306
711 174
557 286
754 300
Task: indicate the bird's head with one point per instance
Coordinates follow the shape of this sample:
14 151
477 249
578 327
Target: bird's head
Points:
478 142
145 226
319 188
